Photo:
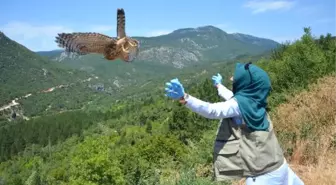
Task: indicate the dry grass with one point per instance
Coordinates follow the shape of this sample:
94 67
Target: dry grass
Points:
307 131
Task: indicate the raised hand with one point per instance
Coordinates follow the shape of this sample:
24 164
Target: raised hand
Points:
217 79
174 89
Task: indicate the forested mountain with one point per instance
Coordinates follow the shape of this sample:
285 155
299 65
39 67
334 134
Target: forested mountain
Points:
32 85
23 71
190 46
159 56
41 86
151 140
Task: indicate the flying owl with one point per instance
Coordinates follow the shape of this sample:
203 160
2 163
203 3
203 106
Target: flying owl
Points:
122 47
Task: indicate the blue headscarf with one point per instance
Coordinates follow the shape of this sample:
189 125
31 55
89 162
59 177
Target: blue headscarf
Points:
251 87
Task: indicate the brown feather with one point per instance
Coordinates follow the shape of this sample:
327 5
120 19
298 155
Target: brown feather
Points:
84 43
121 23
111 52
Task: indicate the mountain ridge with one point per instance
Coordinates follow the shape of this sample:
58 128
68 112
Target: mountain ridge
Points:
25 76
168 54
186 46
187 51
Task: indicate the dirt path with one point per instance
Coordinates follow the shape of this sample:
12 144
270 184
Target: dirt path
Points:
14 102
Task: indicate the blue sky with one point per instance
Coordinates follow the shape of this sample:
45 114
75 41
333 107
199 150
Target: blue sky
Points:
36 23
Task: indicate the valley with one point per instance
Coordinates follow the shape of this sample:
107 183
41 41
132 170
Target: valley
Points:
160 58
97 122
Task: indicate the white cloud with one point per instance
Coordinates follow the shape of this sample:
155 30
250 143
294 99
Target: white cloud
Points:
157 33
42 37
28 31
260 6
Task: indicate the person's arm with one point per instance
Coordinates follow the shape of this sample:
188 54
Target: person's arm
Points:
227 109
224 92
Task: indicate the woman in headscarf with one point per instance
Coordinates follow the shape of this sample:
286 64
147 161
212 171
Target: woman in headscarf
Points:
245 146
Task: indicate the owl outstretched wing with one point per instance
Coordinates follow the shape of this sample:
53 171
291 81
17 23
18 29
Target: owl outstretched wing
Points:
84 43
121 23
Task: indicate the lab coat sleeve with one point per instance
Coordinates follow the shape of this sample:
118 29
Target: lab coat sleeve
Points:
224 92
220 110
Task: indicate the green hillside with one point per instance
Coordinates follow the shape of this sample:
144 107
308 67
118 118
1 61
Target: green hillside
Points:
183 48
80 83
189 46
151 139
25 76
23 71
186 51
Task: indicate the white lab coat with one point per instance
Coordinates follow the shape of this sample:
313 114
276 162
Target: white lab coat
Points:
229 109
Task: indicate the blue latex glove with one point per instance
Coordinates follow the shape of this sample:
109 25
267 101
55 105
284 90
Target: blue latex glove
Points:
174 89
217 79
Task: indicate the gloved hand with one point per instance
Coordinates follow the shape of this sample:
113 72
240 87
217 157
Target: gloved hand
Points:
217 79
174 89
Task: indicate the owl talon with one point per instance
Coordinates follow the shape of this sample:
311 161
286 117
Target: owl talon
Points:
124 50
133 45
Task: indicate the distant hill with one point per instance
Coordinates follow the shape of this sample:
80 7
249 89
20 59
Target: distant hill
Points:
36 84
184 52
168 54
189 46
23 71
185 47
